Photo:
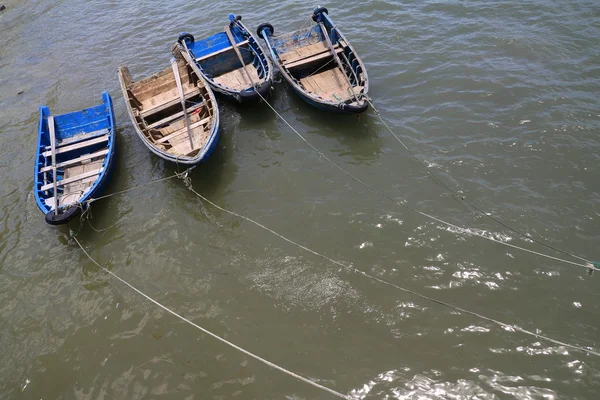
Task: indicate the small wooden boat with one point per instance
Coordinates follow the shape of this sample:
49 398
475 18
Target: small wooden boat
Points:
174 112
74 159
232 62
320 65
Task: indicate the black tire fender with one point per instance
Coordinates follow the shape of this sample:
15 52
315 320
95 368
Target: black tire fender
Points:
62 217
265 25
318 11
185 36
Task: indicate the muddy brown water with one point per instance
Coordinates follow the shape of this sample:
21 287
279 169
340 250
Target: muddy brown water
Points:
499 98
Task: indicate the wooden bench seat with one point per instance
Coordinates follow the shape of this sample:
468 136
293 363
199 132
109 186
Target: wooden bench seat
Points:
307 54
72 179
80 138
77 160
311 59
182 130
78 145
175 116
220 51
172 99
303 52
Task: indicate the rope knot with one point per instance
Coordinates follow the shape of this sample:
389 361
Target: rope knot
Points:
593 266
185 177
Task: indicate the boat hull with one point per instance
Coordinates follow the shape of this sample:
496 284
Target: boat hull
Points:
206 97
73 129
346 72
215 55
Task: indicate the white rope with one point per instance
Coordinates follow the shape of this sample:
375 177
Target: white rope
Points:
382 281
184 176
238 348
588 266
132 188
306 23
482 212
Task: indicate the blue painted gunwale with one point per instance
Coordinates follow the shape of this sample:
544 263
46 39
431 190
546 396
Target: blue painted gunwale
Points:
228 62
68 125
278 46
210 144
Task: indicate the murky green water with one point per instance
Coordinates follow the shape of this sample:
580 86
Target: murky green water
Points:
500 98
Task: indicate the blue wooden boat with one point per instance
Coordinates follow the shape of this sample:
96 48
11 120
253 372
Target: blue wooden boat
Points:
74 159
174 112
320 65
232 62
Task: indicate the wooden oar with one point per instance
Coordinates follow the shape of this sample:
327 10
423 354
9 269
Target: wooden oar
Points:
53 152
175 67
237 51
337 60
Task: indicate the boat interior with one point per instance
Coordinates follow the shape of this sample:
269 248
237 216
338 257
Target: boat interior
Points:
220 62
157 107
81 144
309 60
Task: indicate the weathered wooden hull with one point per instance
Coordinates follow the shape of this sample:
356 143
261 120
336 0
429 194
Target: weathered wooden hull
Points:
243 77
320 65
84 154
146 115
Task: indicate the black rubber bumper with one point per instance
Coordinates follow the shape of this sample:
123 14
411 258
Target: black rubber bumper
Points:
352 109
247 96
62 217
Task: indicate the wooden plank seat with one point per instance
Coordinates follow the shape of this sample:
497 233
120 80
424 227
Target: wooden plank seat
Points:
172 99
202 58
307 54
80 138
309 60
78 145
182 130
77 160
72 179
176 116
303 52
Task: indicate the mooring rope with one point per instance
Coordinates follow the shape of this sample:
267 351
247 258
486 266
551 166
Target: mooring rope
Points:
132 188
350 268
436 178
589 265
184 176
219 338
306 23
